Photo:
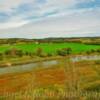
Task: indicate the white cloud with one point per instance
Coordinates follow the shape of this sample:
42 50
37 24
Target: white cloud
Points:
77 22
12 24
66 20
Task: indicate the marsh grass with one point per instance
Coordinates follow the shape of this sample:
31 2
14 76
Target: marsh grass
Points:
63 81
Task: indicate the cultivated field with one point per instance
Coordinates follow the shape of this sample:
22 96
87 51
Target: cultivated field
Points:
51 47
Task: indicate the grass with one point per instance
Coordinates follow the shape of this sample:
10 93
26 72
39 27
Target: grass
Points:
51 48
57 79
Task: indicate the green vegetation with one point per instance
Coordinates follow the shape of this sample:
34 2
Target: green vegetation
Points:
60 78
51 47
21 53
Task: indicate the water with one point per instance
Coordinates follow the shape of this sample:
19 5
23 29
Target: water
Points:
87 58
27 67
31 66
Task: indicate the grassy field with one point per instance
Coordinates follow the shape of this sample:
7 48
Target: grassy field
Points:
58 80
48 83
51 47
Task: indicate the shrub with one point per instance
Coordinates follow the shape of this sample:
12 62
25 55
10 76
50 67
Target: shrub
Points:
61 52
98 50
88 52
39 52
49 54
64 51
97 62
1 56
14 52
20 53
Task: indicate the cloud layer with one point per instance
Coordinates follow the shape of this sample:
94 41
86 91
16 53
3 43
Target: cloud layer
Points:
49 18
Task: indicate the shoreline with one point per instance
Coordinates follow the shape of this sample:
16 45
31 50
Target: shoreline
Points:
20 61
28 61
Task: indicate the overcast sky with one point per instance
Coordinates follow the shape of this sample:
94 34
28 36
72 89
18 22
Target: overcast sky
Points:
49 18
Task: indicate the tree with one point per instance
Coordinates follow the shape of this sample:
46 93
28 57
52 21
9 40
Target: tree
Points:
98 50
69 50
88 52
64 51
19 53
39 52
92 51
49 54
61 52
1 56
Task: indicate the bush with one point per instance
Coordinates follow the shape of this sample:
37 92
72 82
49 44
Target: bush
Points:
19 53
14 52
61 52
98 50
97 62
1 56
93 51
88 52
64 51
39 52
49 54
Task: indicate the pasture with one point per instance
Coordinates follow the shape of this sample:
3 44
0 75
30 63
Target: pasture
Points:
51 47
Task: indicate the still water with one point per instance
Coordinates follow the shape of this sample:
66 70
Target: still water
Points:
87 58
27 67
31 66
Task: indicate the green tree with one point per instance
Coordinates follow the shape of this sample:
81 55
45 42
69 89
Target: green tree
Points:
1 56
39 52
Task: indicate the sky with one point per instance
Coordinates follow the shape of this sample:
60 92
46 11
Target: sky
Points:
49 18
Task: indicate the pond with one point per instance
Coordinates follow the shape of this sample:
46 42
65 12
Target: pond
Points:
45 64
83 57
27 67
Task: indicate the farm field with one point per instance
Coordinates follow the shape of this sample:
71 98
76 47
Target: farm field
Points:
51 47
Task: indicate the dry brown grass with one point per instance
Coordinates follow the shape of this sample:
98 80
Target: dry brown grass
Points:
56 77
16 82
13 83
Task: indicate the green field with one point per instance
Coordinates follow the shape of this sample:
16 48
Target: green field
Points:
51 47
